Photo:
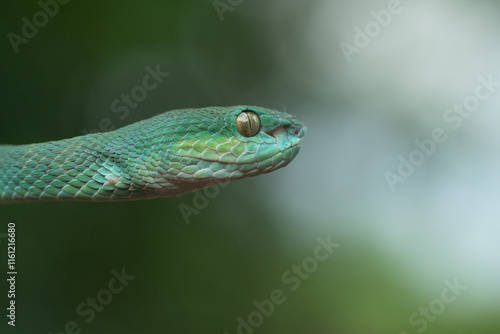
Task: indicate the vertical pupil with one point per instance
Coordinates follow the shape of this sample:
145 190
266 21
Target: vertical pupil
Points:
249 122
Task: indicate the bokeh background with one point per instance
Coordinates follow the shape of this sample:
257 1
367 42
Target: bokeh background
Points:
397 248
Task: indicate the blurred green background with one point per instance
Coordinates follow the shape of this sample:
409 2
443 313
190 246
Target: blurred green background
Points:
399 250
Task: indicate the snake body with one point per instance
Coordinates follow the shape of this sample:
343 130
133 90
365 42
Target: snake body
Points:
170 154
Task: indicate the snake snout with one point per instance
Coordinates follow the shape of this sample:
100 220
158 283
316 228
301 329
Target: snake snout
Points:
296 130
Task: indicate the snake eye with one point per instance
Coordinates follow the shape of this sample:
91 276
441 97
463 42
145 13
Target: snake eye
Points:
248 123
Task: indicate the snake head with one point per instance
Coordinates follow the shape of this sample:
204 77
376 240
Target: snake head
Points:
273 144
219 144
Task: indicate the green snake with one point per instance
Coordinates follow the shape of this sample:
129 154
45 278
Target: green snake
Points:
170 154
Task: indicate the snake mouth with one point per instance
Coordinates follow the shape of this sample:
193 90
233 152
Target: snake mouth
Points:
284 145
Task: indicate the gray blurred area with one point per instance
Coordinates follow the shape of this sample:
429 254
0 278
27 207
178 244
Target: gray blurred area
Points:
386 222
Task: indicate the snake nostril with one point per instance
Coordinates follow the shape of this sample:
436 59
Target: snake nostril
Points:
300 132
